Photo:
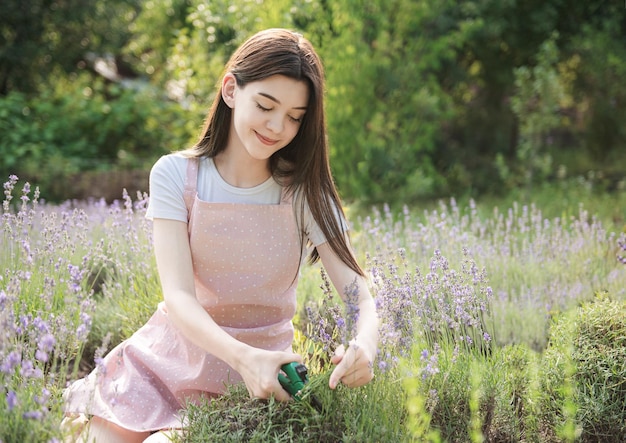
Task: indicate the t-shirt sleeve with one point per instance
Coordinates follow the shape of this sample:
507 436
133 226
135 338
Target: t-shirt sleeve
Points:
312 229
167 187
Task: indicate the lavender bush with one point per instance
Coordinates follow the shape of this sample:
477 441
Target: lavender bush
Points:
465 301
46 310
62 266
537 267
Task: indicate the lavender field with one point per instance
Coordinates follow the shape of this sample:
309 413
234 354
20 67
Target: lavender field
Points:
469 297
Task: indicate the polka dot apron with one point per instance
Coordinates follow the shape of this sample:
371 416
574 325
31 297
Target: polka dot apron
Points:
246 259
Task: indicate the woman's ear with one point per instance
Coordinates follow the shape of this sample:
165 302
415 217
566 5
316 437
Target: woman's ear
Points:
229 84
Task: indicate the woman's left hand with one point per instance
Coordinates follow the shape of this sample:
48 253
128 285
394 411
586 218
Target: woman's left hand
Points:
355 366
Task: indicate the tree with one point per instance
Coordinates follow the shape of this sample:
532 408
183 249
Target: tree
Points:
40 37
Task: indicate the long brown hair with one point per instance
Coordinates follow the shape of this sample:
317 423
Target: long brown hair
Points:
303 165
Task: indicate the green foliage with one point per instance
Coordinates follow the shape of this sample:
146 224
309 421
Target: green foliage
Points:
536 104
150 51
38 37
370 413
382 123
594 60
82 125
473 396
419 420
424 98
585 372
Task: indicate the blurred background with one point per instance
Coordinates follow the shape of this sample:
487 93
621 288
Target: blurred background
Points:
425 98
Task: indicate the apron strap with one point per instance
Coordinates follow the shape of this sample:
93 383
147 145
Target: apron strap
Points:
191 181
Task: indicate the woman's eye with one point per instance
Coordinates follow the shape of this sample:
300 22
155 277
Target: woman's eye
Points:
295 120
258 105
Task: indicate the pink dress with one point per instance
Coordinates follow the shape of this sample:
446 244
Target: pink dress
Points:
246 259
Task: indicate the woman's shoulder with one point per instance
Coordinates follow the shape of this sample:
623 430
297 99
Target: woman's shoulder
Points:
173 164
170 168
173 160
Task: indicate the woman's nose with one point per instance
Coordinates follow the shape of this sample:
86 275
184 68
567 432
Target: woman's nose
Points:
275 124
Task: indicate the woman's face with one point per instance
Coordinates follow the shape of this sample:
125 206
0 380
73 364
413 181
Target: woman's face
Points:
266 113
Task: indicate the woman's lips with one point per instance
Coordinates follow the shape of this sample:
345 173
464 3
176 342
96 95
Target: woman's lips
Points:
265 140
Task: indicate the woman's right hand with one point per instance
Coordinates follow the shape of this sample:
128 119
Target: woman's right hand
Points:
259 369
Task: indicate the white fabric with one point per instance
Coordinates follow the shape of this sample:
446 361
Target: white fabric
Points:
167 183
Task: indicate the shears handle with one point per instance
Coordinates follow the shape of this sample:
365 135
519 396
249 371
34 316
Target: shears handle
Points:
293 378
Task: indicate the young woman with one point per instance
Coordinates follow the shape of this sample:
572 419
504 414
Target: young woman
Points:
234 217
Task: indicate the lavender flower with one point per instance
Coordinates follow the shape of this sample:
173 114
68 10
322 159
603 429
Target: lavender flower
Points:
348 324
13 360
33 415
43 398
11 400
76 278
44 347
28 370
431 364
327 325
621 243
8 192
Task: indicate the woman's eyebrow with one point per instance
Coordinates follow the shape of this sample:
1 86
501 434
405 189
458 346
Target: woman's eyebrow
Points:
274 99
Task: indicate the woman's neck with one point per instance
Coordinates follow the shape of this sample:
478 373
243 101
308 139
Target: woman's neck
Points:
241 171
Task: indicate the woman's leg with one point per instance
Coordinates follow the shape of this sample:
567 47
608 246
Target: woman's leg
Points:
102 431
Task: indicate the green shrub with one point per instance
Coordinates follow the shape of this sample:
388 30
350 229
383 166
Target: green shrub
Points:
585 373
462 397
85 125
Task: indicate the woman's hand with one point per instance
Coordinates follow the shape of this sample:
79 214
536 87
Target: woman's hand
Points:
260 369
354 366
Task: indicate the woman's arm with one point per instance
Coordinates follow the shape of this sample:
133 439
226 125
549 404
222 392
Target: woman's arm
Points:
259 368
355 364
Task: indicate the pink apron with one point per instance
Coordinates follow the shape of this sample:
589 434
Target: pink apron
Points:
246 259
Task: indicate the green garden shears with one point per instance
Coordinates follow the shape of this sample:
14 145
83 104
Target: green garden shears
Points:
293 378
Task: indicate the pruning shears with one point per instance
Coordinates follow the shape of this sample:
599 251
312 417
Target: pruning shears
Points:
293 378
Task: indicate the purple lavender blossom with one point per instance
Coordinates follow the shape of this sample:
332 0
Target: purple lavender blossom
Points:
28 370
11 361
621 243
25 191
349 323
76 277
33 415
82 332
11 400
39 324
8 191
431 362
43 398
41 356
327 324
